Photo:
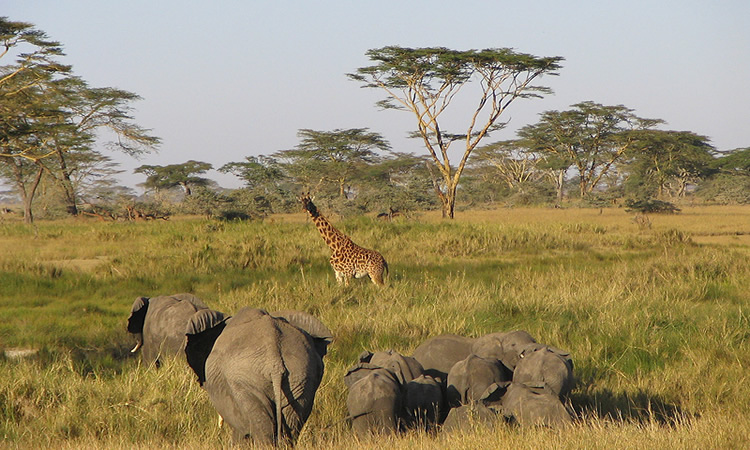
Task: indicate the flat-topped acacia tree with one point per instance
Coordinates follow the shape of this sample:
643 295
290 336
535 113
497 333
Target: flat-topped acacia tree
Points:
426 81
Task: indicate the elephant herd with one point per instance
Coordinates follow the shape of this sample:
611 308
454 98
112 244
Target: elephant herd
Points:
453 380
261 371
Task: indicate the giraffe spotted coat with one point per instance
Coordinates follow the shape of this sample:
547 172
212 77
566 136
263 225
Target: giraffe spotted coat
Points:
348 259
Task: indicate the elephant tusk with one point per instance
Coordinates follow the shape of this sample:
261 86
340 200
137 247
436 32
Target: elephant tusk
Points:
137 346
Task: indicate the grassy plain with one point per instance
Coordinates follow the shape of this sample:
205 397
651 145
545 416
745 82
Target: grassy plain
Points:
657 320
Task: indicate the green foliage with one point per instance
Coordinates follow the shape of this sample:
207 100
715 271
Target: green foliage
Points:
725 188
650 206
665 162
590 136
184 175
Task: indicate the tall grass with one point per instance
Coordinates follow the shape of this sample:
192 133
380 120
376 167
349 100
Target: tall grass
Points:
656 320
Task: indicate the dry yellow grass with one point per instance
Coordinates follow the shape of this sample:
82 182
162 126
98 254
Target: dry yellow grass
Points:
657 320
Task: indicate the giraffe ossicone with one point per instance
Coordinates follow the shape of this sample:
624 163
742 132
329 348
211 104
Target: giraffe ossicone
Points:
348 259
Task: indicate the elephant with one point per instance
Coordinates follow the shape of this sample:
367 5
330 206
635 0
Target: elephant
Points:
503 346
423 402
261 372
159 324
468 379
438 354
465 416
547 365
534 405
405 368
374 403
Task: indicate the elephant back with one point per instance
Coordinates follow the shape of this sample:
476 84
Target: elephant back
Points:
439 353
322 336
190 298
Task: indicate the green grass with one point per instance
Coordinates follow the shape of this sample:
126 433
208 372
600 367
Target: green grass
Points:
657 320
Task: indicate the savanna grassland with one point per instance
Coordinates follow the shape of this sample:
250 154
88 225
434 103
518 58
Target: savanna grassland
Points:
656 318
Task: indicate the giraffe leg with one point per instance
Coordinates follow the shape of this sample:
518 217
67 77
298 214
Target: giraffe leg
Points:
377 278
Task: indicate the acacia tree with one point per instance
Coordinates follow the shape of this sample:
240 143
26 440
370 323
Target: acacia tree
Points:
340 155
665 162
514 166
27 121
184 175
591 136
89 110
49 118
255 171
425 81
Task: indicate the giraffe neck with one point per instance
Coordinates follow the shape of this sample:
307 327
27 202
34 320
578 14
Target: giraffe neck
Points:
334 239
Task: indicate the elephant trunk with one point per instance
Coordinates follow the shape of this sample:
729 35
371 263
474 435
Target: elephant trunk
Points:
138 343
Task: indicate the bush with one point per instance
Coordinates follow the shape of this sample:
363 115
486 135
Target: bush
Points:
650 206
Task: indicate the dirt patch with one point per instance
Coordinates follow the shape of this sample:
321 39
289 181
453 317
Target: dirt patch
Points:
84 265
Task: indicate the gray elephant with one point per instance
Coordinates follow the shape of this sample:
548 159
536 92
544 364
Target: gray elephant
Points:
423 402
405 368
542 364
261 372
374 403
465 416
159 324
534 405
503 346
469 378
439 353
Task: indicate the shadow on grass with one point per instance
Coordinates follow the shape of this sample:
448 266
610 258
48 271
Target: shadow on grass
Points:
639 407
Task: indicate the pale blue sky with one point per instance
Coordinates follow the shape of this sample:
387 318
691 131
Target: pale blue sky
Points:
222 80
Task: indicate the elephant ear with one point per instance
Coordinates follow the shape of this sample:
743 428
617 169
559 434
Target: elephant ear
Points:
320 333
492 396
202 330
138 315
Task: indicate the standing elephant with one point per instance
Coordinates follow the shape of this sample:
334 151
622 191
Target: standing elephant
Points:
261 372
159 324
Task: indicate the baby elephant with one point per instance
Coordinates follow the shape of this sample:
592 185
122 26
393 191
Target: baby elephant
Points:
159 324
261 371
374 403
550 366
468 379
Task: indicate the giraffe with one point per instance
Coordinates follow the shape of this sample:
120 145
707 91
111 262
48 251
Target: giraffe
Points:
348 259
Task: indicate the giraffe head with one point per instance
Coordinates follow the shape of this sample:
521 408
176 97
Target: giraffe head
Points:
308 205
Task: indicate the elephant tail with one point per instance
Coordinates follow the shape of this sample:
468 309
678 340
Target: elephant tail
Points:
278 378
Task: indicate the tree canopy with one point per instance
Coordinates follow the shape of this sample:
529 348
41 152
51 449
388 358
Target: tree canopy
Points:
590 136
337 156
50 118
184 175
425 81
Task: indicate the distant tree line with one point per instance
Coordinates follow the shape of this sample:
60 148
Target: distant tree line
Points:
588 155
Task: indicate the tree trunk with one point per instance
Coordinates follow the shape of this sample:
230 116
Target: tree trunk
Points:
449 201
27 195
67 186
560 183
